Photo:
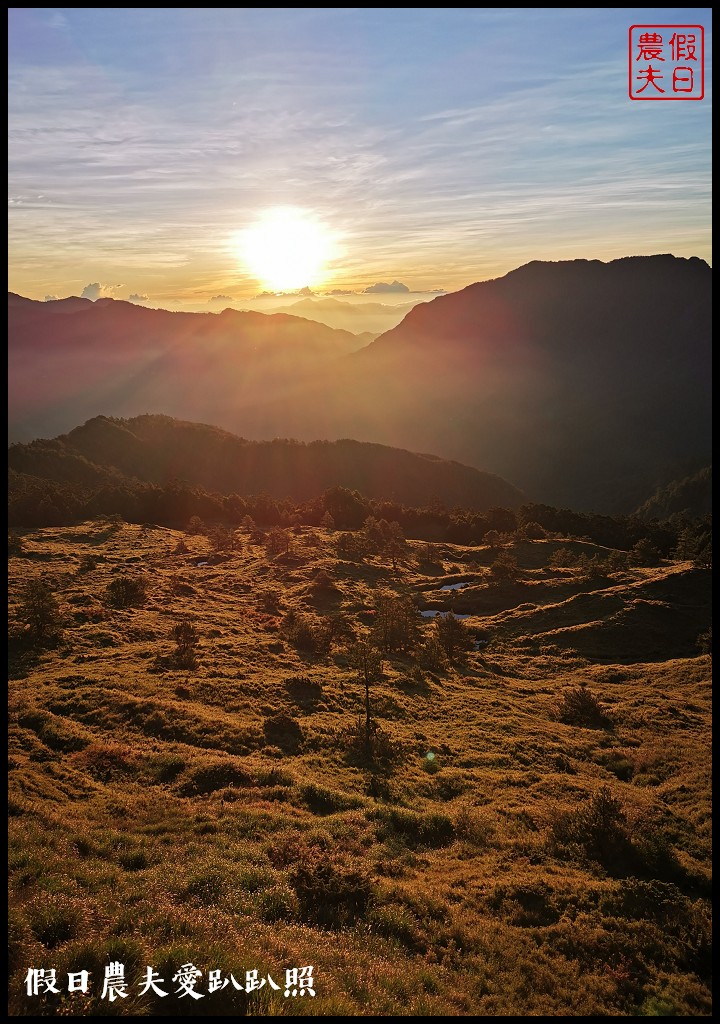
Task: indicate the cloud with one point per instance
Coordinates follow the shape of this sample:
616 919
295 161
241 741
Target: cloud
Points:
489 168
99 291
382 286
301 293
341 291
138 298
220 300
51 298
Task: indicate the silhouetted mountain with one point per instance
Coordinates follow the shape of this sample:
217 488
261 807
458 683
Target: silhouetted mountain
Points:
158 449
587 383
73 358
691 496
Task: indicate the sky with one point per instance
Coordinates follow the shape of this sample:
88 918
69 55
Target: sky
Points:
428 147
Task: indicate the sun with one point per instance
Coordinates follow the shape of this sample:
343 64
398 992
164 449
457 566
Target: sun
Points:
285 249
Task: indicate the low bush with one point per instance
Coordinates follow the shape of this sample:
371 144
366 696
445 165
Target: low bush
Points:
415 829
54 918
127 592
283 731
303 689
596 830
327 801
208 778
331 893
580 706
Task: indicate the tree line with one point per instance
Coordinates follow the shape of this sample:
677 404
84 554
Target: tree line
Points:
34 502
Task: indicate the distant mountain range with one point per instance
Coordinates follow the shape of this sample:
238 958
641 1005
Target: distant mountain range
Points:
368 317
159 449
71 359
585 383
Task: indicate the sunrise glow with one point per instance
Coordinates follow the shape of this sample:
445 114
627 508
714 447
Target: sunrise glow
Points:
285 249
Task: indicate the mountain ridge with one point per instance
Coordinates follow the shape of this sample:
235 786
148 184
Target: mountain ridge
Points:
160 449
586 383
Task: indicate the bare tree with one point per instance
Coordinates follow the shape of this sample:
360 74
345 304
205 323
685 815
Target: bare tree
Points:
367 660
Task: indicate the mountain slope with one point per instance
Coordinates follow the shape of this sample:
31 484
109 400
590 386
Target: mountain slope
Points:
158 449
586 383
73 358
691 496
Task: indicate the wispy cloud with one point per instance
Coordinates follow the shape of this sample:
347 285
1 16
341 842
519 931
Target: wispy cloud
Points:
479 140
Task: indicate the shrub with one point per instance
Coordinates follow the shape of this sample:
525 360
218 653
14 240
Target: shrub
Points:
327 801
277 542
416 829
324 583
88 563
275 777
127 592
431 656
351 547
330 893
562 558
293 848
107 761
617 762
581 707
283 731
133 860
165 767
533 531
18 939
195 526
15 544
221 539
377 748
54 919
399 923
644 554
301 688
396 624
186 639
269 600
307 634
473 826
278 904
55 732
40 611
637 900
452 635
596 830
207 887
208 778
704 641
504 567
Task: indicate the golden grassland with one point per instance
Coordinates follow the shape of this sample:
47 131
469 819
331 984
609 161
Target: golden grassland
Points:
162 815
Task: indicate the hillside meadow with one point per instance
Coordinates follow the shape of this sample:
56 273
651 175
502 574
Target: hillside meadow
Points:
525 829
